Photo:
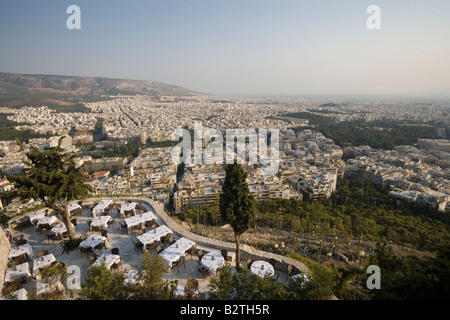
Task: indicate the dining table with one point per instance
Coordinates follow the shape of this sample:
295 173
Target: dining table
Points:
108 259
21 250
19 271
42 262
35 216
154 235
100 222
93 241
140 219
49 221
173 253
20 294
73 207
262 268
100 208
44 287
213 261
131 277
59 229
128 209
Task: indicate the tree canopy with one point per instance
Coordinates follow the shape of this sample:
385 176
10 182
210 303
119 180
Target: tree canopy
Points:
53 177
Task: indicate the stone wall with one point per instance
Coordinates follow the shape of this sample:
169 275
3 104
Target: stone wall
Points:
4 252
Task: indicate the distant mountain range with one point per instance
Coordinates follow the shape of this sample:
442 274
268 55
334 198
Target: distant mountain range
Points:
23 88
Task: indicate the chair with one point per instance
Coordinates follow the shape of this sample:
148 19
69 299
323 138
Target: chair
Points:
224 254
171 240
112 222
180 261
191 251
41 253
53 237
15 285
15 261
273 262
100 246
17 225
92 257
148 223
104 233
137 244
194 284
67 246
74 222
123 225
117 265
166 238
249 263
115 251
19 241
159 249
26 222
152 246
202 270
89 221
200 254
84 250
290 271
136 228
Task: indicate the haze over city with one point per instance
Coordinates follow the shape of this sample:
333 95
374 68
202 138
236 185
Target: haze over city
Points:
320 48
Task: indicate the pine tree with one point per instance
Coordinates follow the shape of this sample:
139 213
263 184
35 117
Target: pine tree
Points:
237 206
52 177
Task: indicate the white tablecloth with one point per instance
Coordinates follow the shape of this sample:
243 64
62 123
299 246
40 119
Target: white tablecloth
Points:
73 206
50 220
139 219
99 209
127 207
59 229
131 277
93 241
20 294
154 235
22 249
35 216
173 253
262 268
100 222
299 276
42 262
17 272
213 261
109 259
44 287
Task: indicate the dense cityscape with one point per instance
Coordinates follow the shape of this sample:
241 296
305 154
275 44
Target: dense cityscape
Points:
309 162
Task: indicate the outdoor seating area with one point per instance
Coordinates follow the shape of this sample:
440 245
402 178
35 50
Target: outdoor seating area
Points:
119 245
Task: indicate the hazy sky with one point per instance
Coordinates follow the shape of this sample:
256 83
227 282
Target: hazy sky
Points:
242 47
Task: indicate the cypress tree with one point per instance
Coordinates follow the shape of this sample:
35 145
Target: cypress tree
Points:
237 206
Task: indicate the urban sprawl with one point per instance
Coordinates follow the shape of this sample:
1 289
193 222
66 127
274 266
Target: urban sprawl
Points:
309 163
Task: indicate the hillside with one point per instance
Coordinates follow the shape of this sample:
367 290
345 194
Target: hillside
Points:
19 89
